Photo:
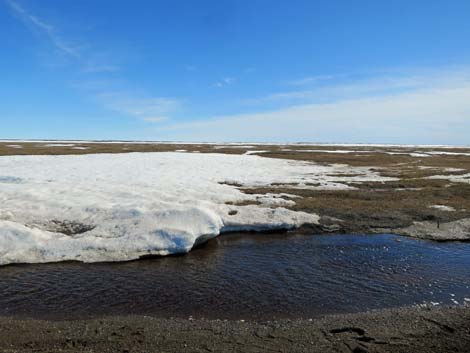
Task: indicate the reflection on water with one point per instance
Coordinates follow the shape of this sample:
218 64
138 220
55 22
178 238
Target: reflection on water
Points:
249 276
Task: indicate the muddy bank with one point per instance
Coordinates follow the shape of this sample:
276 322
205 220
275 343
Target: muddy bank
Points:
399 330
437 230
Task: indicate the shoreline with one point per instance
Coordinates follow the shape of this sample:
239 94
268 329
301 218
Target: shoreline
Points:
420 230
406 329
312 230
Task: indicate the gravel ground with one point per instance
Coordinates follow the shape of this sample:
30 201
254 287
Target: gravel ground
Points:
399 330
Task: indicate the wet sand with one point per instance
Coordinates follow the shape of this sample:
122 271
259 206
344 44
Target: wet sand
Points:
400 330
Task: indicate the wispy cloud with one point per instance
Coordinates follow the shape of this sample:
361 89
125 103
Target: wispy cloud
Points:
156 119
96 68
45 28
373 85
150 109
144 107
311 80
90 61
226 81
432 109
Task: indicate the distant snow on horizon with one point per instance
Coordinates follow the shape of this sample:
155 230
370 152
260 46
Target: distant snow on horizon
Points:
223 144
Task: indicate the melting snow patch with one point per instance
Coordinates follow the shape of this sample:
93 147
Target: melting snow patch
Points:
255 152
116 207
463 178
453 170
449 153
443 208
333 151
58 145
412 154
14 146
274 200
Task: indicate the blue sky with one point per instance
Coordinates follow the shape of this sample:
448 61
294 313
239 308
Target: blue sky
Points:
259 70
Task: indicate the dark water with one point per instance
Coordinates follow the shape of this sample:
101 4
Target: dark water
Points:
248 276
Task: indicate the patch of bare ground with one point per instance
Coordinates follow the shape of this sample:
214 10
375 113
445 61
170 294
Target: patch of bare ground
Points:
397 330
77 148
375 207
35 148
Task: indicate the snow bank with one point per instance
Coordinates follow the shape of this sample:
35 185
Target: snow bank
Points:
116 207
